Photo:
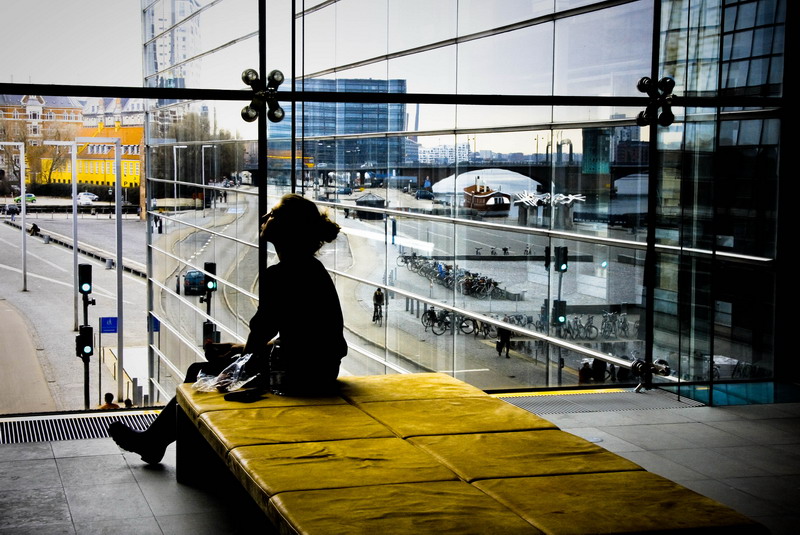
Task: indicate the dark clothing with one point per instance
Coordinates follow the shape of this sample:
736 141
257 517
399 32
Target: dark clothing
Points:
304 310
503 340
599 370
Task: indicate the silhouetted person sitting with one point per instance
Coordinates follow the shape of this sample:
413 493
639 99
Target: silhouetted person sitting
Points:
310 364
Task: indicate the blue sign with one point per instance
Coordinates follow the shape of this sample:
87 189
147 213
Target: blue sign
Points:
155 325
108 324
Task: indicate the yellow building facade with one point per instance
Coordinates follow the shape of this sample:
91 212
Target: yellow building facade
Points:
95 162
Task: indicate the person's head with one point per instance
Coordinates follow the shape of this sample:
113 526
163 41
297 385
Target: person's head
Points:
128 403
296 227
109 397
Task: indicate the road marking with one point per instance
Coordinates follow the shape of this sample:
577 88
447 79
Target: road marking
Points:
100 291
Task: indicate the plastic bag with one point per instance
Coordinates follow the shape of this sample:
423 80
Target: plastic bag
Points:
232 378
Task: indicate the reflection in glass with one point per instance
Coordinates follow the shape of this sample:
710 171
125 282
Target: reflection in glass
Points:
604 52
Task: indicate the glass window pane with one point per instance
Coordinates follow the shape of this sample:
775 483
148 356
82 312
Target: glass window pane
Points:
478 15
360 30
603 53
438 23
521 62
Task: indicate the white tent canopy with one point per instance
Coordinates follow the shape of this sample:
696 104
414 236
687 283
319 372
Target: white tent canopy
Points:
498 179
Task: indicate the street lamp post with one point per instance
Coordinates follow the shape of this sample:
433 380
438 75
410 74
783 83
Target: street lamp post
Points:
21 147
74 163
203 171
175 173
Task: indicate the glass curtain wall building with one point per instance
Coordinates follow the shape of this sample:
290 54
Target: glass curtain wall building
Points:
559 217
492 165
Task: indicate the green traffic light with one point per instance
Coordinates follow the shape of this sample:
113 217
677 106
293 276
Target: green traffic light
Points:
87 349
86 287
563 267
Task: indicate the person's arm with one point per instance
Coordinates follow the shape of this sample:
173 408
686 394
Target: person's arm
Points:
263 329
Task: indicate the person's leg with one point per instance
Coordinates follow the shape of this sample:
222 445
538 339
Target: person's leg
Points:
153 441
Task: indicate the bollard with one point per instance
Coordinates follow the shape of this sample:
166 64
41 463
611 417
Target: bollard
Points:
109 263
46 238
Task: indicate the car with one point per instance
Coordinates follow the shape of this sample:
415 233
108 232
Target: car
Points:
29 197
423 194
193 282
84 200
88 194
344 190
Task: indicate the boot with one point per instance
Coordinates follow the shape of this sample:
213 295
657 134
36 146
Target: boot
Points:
141 442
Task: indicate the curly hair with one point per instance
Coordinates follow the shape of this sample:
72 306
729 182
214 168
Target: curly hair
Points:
310 229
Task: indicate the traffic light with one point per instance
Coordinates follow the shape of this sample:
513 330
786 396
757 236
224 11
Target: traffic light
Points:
85 278
209 281
559 312
547 258
561 259
84 342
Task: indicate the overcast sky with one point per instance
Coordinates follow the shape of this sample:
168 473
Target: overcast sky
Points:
78 42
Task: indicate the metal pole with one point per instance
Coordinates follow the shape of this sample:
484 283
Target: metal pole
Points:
24 212
175 173
86 382
21 147
650 278
74 161
120 307
99 363
75 230
203 172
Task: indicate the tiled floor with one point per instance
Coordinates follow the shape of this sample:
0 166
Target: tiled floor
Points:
747 457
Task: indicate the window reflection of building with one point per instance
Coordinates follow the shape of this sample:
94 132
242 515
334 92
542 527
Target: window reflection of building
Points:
716 175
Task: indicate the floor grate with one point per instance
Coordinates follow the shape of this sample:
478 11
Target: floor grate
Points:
604 400
73 427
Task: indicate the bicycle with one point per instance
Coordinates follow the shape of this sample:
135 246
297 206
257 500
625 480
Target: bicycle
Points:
488 330
428 318
590 330
404 260
570 329
609 325
467 325
442 323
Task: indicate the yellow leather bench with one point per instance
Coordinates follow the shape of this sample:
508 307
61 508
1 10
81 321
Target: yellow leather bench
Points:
427 453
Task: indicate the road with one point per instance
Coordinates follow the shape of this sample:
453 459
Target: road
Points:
363 252
24 387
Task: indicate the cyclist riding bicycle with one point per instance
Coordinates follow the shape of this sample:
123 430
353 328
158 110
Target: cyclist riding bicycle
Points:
377 304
